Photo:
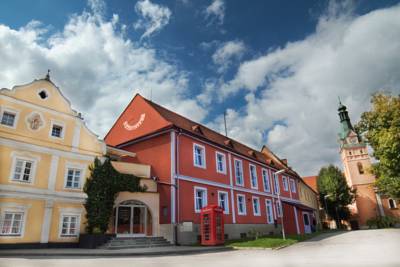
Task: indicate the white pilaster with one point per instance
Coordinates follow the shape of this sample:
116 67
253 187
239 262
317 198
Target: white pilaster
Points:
173 180
76 137
46 224
380 206
232 196
53 173
297 220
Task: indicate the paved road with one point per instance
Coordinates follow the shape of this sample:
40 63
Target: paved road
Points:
379 248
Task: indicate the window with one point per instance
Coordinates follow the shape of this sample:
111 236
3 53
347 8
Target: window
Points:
285 183
57 131
12 223
253 176
360 168
73 178
43 94
392 203
276 184
256 206
239 172
70 225
241 203
279 208
8 118
292 186
223 201
265 176
200 198
220 162
23 170
270 213
199 156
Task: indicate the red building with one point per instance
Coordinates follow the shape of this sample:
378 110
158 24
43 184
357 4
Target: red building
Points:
195 166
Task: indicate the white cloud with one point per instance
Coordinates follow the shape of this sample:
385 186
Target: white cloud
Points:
226 52
154 17
216 12
96 66
292 91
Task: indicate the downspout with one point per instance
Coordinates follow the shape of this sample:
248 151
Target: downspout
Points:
177 186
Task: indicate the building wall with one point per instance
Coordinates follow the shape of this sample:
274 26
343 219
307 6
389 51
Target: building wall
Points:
45 197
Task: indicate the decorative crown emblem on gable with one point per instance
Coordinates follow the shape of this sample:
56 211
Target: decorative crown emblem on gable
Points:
131 127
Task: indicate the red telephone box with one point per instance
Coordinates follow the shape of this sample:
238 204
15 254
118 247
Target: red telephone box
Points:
212 225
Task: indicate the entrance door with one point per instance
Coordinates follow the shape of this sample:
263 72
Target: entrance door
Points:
131 220
306 220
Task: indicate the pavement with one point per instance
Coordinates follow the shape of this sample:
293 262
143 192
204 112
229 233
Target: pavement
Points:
364 248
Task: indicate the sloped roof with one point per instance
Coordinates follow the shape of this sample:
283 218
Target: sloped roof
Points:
206 133
311 181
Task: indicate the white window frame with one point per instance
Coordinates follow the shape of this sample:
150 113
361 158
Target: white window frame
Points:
32 174
75 166
226 210
60 124
268 182
269 212
258 203
21 226
293 186
277 189
251 176
11 207
244 212
394 202
279 208
78 224
223 171
285 183
9 110
203 149
196 188
241 171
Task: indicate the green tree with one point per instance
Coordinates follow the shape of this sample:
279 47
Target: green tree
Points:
381 129
102 188
334 193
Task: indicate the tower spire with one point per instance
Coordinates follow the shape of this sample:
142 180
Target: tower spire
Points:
48 75
345 122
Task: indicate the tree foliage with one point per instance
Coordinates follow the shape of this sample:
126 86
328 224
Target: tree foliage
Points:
381 129
335 195
102 188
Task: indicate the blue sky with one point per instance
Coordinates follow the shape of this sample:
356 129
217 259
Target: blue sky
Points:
277 67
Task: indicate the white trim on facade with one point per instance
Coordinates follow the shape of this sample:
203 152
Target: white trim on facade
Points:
10 110
76 136
12 207
75 166
267 180
231 188
173 176
46 224
296 219
60 225
241 171
251 176
53 172
59 124
26 157
205 200
223 171
244 211
269 211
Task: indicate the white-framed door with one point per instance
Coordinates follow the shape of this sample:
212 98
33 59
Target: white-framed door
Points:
131 220
307 223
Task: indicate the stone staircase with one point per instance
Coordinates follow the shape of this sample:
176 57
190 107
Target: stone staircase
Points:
135 242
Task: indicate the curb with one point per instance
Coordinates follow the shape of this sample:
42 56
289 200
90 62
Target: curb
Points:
16 254
251 248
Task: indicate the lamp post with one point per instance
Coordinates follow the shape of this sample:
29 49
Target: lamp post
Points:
280 203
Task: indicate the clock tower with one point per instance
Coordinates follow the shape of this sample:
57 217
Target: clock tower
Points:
356 164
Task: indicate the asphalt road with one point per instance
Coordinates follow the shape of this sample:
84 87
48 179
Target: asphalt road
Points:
379 248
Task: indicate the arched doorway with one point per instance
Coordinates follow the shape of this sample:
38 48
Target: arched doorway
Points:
132 218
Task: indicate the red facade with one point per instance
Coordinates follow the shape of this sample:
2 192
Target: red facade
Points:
185 158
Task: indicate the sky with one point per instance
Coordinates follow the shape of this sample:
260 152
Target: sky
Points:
276 67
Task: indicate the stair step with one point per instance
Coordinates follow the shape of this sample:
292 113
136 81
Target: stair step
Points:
135 242
136 246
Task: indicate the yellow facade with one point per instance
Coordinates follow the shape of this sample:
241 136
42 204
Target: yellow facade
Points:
309 198
45 152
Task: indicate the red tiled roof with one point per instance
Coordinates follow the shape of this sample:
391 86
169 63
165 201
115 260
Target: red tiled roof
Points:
311 181
206 133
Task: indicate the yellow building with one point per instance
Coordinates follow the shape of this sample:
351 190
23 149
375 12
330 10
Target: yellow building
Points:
308 197
45 151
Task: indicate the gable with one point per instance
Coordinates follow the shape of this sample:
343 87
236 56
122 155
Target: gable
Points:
138 119
41 93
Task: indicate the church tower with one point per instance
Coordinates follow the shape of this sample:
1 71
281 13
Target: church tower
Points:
357 162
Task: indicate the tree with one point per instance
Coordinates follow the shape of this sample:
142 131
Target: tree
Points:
334 193
102 188
381 129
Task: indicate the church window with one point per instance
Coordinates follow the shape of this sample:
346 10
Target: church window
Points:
392 203
360 168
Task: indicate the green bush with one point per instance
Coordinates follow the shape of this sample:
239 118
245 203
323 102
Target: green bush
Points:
382 222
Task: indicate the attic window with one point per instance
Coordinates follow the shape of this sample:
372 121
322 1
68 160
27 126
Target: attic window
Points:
251 153
197 128
43 94
228 143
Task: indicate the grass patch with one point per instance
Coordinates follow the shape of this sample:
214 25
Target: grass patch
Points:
270 241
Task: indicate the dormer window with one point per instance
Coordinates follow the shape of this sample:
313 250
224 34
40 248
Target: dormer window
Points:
43 94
